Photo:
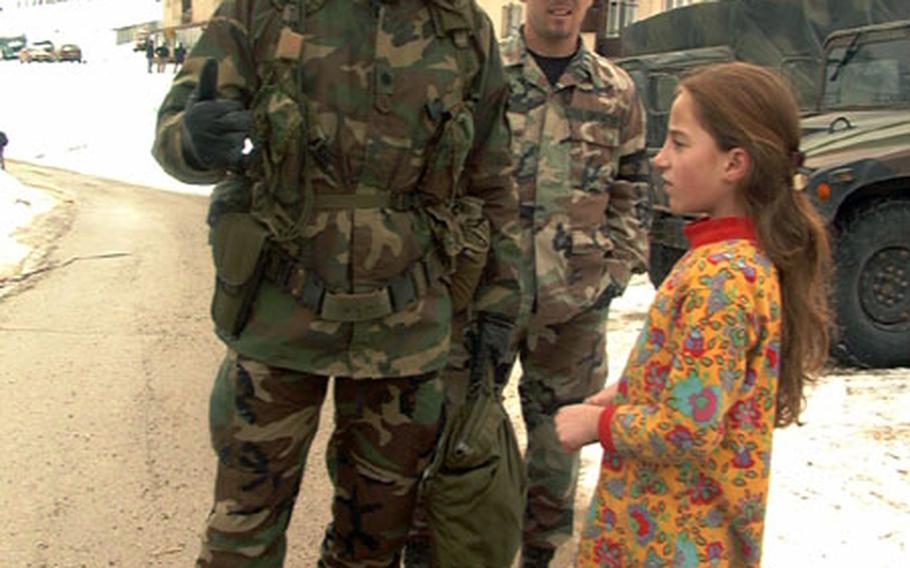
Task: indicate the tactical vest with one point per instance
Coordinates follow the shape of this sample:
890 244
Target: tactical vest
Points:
285 151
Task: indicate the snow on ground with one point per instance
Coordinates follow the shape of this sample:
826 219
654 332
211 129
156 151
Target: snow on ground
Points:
840 484
19 205
96 118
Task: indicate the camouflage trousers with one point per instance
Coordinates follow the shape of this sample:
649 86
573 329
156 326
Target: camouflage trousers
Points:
561 363
263 420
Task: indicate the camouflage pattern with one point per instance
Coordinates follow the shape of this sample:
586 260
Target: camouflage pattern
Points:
390 115
579 164
354 102
559 363
262 447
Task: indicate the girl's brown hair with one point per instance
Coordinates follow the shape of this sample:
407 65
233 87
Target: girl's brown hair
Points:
750 107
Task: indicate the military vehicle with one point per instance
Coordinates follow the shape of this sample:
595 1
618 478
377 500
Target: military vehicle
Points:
854 91
858 162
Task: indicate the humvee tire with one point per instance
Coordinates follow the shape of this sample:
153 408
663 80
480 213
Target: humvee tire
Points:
872 285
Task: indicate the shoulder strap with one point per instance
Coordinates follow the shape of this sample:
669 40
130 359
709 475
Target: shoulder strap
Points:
451 15
458 19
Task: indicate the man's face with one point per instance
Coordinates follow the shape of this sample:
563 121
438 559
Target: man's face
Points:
555 20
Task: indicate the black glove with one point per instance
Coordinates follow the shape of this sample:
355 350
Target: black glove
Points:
214 130
611 292
488 340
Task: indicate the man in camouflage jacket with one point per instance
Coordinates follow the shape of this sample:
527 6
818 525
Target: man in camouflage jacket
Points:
578 147
371 122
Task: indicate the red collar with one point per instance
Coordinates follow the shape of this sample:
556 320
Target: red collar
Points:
712 230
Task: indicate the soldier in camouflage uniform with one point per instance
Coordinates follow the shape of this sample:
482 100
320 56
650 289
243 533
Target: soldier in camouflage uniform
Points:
373 125
578 148
578 139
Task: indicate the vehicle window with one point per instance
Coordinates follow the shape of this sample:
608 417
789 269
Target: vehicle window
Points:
663 89
871 74
802 74
638 77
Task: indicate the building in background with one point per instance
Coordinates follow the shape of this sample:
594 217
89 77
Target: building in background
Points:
184 20
188 12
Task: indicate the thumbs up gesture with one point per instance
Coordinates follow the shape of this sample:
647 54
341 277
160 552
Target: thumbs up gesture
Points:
214 129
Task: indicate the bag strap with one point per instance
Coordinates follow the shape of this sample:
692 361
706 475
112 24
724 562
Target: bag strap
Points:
293 15
458 19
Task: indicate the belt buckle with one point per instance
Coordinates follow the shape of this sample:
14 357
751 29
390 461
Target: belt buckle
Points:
356 306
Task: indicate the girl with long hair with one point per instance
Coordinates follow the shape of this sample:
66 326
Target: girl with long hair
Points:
735 332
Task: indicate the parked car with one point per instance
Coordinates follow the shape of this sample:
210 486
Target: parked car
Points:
69 52
46 44
36 53
10 46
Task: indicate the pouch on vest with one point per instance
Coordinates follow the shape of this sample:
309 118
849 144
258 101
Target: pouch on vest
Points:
447 156
238 242
471 260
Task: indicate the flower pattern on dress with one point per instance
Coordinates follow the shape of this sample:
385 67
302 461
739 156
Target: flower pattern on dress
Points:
745 414
696 400
681 437
692 424
642 524
656 378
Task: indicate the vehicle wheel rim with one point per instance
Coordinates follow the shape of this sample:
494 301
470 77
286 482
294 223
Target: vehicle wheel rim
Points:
885 287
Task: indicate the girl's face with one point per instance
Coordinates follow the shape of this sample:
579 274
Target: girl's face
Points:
698 176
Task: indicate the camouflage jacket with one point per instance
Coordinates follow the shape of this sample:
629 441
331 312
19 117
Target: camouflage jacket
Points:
578 148
383 84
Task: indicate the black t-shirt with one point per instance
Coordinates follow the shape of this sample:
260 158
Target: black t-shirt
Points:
552 67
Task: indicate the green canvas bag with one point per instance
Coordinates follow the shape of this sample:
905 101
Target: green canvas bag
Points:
475 485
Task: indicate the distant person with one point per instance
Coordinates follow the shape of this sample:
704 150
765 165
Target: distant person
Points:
736 331
3 142
179 56
162 53
150 53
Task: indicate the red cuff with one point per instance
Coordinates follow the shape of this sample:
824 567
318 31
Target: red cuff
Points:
603 428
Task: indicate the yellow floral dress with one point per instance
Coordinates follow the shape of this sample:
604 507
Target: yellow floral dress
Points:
687 442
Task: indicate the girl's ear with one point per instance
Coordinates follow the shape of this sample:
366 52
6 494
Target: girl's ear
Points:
739 162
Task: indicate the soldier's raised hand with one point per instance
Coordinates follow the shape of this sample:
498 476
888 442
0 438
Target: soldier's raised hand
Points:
214 129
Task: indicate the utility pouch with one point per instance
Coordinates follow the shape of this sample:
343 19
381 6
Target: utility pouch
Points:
447 156
471 260
238 243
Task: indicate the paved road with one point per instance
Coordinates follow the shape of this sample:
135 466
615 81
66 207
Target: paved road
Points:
108 358
107 365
